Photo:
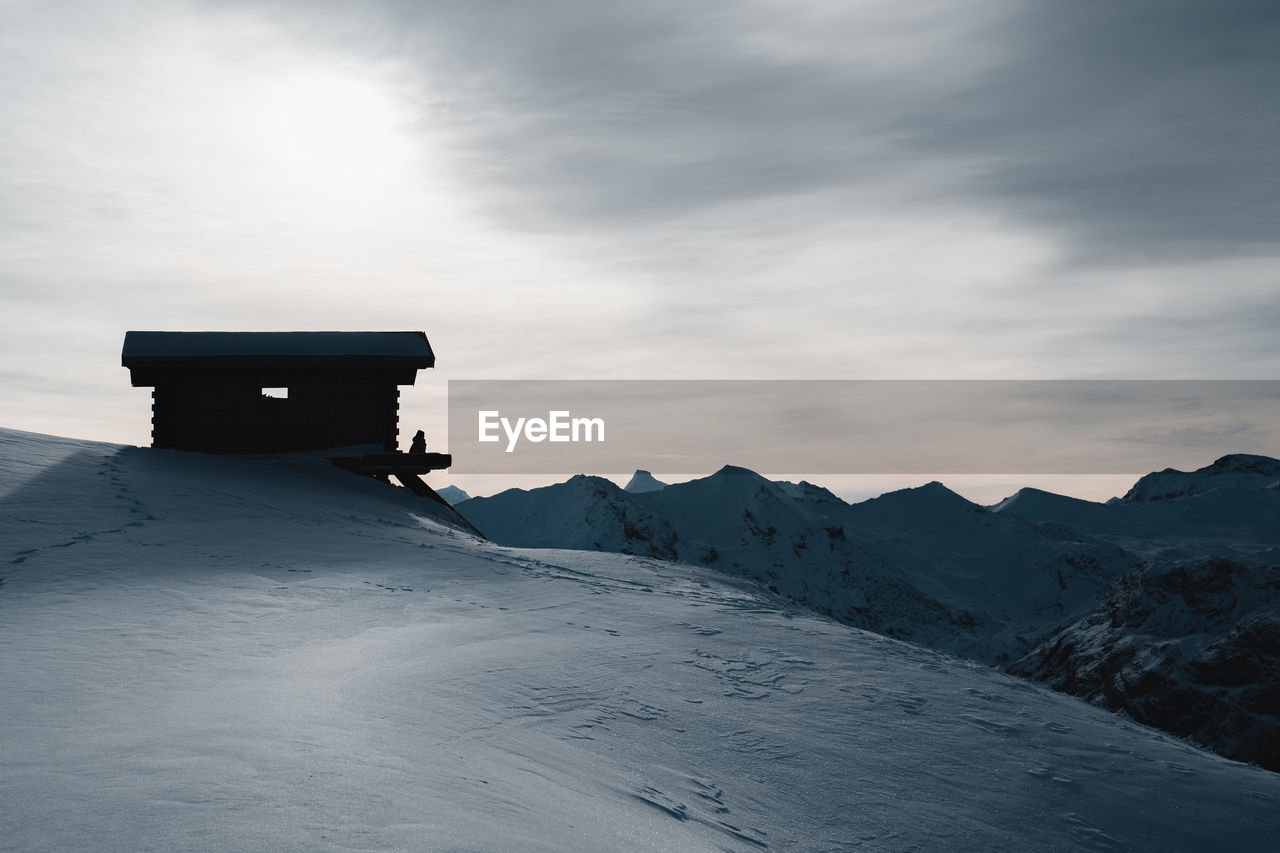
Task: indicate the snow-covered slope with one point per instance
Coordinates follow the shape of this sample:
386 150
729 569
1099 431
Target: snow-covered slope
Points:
203 653
922 564
643 481
1039 505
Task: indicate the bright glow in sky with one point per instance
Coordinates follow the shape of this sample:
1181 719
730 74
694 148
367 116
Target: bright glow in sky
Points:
330 133
582 190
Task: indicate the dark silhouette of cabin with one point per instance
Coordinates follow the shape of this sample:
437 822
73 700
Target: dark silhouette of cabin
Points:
273 392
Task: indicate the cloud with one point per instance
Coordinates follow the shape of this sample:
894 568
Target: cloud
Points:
1131 132
573 188
618 114
1140 131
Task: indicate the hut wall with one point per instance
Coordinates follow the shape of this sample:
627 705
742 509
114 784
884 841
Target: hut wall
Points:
227 412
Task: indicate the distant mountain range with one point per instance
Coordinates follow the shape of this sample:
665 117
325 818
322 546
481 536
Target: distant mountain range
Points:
1071 592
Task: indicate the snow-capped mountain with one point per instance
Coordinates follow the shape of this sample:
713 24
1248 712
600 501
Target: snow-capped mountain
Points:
922 564
643 481
583 513
452 495
208 653
1236 471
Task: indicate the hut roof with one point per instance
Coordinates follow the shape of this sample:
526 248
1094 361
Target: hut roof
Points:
152 349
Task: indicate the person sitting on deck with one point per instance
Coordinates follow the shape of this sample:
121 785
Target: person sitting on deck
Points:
419 444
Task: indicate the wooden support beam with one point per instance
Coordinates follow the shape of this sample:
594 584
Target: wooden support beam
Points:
394 463
405 467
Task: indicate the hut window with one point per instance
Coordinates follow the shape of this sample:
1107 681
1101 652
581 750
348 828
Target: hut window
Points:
276 393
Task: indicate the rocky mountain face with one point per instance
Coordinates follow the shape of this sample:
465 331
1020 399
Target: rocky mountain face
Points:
1161 604
1192 648
1189 641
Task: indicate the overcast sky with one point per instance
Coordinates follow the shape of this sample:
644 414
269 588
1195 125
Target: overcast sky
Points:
581 189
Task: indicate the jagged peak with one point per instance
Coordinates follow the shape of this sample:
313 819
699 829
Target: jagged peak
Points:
453 495
642 481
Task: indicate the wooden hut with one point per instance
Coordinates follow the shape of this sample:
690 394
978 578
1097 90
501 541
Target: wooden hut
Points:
272 392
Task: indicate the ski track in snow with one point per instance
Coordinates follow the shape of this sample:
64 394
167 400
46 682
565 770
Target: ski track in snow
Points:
201 653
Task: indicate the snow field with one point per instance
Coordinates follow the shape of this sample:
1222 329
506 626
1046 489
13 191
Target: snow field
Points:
204 653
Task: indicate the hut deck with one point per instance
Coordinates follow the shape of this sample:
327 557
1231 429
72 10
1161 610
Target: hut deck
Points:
405 467
393 463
